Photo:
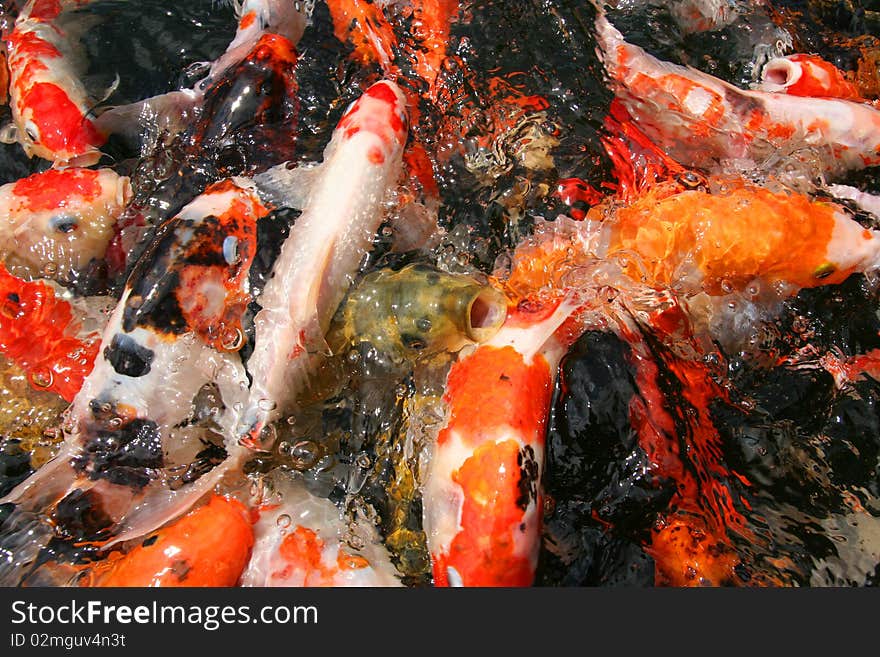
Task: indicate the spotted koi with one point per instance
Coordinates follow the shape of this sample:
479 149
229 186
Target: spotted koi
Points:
482 498
132 454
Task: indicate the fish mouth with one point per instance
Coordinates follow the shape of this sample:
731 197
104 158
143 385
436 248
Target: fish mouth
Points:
486 313
780 73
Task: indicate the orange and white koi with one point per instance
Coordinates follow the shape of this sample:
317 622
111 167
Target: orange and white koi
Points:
41 334
51 109
324 249
807 75
300 542
696 240
482 497
704 122
56 222
208 547
129 449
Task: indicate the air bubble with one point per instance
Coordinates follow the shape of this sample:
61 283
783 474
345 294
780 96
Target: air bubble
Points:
42 377
305 454
232 339
283 521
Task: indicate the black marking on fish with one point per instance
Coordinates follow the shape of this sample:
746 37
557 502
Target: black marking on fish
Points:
150 540
128 357
155 280
205 461
124 456
529 474
247 113
413 342
742 104
80 516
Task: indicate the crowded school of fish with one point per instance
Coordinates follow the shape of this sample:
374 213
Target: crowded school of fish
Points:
240 304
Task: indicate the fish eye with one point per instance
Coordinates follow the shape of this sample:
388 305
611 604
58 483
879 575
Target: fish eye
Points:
30 129
691 180
824 271
63 223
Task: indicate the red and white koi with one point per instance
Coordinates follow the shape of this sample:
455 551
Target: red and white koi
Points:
51 109
482 497
322 253
704 122
128 447
56 222
301 540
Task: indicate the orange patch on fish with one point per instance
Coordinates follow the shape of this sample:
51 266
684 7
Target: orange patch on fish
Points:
39 333
62 126
54 187
207 547
484 552
494 388
687 555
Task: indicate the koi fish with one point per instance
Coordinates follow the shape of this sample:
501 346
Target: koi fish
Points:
39 332
697 240
704 122
133 456
300 542
807 75
51 109
482 496
323 251
267 30
418 311
57 222
209 547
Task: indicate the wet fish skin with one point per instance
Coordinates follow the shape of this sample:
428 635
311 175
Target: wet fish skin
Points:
321 255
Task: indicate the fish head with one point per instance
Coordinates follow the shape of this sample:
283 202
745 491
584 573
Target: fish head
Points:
52 126
60 220
381 114
250 109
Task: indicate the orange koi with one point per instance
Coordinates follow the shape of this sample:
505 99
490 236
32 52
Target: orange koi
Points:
697 238
208 547
38 331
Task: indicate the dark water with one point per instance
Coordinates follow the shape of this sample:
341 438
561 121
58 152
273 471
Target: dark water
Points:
797 457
